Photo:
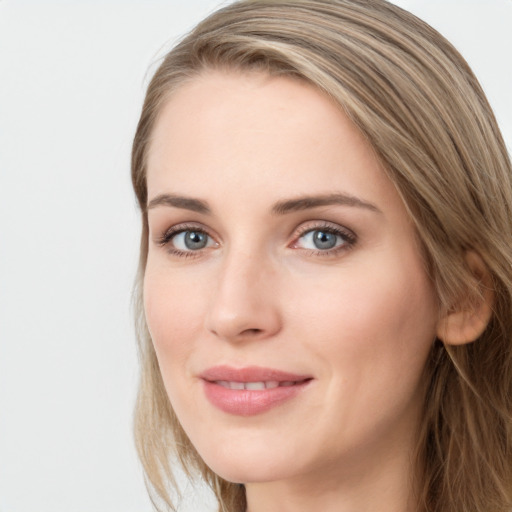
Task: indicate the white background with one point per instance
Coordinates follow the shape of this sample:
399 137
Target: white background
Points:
72 78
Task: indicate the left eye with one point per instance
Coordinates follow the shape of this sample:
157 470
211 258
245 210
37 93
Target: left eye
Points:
321 240
191 240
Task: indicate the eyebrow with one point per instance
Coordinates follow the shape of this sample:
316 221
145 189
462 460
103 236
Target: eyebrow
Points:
307 202
279 208
186 203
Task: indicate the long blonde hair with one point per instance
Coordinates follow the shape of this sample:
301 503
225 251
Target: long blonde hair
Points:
419 105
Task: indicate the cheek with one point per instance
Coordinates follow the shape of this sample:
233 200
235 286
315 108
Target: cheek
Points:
173 314
371 335
374 325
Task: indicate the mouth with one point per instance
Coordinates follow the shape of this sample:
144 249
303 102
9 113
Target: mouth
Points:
258 385
251 374
251 390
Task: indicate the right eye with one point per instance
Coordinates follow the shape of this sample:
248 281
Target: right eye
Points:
190 240
184 241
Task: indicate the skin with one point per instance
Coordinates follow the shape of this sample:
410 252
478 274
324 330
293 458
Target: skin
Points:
359 318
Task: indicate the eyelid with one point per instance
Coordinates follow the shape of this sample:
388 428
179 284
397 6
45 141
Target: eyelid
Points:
349 237
166 238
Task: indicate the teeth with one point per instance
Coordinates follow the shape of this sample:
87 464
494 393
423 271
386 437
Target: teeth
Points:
255 386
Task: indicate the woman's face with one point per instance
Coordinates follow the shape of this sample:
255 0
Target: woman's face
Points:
285 291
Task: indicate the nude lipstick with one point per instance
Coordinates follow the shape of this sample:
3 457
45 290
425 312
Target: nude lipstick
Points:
250 390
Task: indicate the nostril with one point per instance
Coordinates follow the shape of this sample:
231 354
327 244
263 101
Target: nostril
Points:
251 332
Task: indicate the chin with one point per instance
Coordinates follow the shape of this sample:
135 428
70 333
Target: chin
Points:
242 474
242 467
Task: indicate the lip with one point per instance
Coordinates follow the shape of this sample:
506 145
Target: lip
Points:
249 402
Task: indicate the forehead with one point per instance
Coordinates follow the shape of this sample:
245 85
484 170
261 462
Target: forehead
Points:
217 103
245 128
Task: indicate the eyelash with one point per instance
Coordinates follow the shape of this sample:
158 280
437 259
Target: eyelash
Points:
167 237
349 239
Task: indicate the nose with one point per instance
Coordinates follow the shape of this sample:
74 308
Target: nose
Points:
244 305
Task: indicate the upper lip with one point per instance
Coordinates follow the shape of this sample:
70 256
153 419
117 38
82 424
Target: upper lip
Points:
250 374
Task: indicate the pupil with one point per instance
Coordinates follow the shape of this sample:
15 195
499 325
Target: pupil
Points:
323 240
195 240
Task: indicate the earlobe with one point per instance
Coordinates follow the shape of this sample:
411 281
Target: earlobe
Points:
467 320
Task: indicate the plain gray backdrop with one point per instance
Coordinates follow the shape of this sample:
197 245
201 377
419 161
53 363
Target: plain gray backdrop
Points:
72 79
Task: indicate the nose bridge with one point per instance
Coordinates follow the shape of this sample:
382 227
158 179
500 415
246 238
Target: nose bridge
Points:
242 305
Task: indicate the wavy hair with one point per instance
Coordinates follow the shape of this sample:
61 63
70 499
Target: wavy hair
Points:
417 102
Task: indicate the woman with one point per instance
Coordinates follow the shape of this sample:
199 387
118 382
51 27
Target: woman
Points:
326 270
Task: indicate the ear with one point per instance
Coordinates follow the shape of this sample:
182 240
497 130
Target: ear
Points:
467 320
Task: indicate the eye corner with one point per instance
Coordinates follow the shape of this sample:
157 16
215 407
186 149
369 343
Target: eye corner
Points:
186 240
330 239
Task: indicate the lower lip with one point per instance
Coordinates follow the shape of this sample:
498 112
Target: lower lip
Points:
248 402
